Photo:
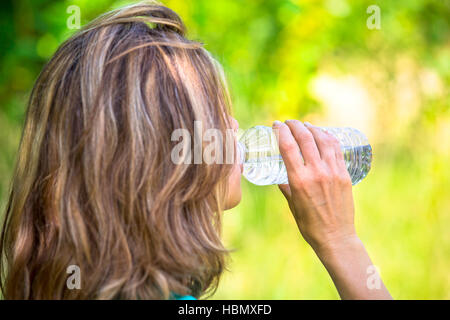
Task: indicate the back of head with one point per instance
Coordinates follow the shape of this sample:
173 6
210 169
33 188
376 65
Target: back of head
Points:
94 184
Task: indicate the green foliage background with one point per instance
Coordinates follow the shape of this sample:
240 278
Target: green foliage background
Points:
315 61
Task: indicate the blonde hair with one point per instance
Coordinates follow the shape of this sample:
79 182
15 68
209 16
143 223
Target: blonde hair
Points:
94 184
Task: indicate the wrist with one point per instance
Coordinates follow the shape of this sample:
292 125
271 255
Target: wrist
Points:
338 248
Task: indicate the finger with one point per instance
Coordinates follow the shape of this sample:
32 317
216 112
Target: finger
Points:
286 191
324 143
289 149
305 140
338 153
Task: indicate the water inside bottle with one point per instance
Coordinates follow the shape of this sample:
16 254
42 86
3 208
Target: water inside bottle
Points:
270 169
263 164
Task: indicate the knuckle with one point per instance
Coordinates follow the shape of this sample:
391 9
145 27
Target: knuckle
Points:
296 183
335 176
289 147
306 134
317 135
304 138
323 138
344 178
335 141
332 138
321 176
295 173
308 146
326 141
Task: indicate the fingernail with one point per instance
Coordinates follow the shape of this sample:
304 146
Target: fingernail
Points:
308 124
276 123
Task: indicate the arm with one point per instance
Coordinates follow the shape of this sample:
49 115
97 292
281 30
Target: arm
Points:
352 271
320 197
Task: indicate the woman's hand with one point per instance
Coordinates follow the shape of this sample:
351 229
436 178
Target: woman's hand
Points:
320 189
320 198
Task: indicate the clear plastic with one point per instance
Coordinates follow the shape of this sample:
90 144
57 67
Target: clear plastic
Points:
263 164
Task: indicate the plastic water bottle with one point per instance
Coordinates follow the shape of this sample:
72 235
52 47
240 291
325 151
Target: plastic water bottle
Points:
263 165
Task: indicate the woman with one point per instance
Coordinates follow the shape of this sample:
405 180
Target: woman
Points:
95 186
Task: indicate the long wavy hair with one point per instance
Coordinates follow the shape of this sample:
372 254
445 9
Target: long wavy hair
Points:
94 184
